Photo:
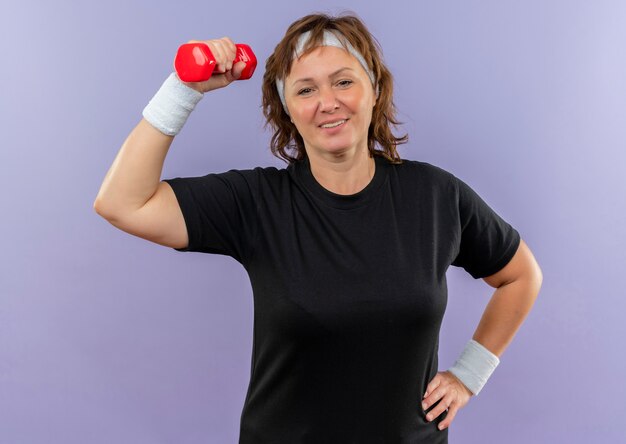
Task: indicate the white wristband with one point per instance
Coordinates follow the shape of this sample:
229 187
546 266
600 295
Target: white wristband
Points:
474 366
171 105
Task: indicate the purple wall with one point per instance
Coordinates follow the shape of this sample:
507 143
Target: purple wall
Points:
107 338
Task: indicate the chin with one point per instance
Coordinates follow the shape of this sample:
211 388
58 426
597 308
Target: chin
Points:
337 150
338 146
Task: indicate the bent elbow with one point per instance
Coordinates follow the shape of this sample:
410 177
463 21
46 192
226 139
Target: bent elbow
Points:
102 210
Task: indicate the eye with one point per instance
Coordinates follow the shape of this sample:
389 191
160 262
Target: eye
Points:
304 91
345 82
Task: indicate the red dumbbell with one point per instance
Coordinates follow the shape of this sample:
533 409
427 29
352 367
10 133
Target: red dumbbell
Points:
195 63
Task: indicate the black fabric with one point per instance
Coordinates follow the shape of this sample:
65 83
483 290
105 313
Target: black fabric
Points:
349 292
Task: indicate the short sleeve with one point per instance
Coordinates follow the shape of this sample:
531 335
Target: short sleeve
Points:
220 212
487 241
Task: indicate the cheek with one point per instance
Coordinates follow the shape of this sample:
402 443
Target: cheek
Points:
366 113
303 113
362 105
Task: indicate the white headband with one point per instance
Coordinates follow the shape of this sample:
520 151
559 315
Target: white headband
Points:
330 39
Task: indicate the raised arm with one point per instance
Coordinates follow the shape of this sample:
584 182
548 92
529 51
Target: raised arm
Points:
132 197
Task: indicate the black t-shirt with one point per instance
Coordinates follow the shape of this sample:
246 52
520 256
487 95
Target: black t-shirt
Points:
349 292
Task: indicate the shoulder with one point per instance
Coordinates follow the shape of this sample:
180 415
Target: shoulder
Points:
234 180
422 172
259 180
424 167
252 174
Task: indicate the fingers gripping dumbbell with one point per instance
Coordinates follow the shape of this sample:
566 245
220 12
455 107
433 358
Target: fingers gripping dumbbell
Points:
195 63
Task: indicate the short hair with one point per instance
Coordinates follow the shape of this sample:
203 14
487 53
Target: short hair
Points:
287 143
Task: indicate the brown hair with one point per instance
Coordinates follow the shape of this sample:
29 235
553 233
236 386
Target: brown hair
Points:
287 143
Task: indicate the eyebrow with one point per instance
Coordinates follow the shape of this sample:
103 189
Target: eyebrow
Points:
308 79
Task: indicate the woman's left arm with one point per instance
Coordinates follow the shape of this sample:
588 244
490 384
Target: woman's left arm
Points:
517 286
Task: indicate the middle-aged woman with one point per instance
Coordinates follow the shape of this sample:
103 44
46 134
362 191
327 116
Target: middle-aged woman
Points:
346 249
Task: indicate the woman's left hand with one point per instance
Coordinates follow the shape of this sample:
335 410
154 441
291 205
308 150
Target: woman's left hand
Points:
453 394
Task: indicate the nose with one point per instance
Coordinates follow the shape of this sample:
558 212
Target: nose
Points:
328 100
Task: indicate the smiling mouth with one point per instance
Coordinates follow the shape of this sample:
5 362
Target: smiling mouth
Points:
334 124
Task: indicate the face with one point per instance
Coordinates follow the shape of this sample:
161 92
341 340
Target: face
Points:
330 100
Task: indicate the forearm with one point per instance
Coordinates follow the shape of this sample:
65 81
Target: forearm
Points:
135 173
505 313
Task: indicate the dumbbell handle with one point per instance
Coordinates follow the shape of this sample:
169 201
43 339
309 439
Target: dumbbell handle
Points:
195 63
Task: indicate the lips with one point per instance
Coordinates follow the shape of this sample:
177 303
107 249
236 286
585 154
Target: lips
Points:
333 123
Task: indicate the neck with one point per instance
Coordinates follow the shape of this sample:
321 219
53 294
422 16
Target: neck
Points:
344 174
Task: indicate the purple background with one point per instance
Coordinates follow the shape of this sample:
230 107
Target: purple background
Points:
108 338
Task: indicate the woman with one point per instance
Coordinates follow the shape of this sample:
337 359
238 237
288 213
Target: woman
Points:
346 248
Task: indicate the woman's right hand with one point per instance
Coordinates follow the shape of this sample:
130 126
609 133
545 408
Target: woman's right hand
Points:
224 51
